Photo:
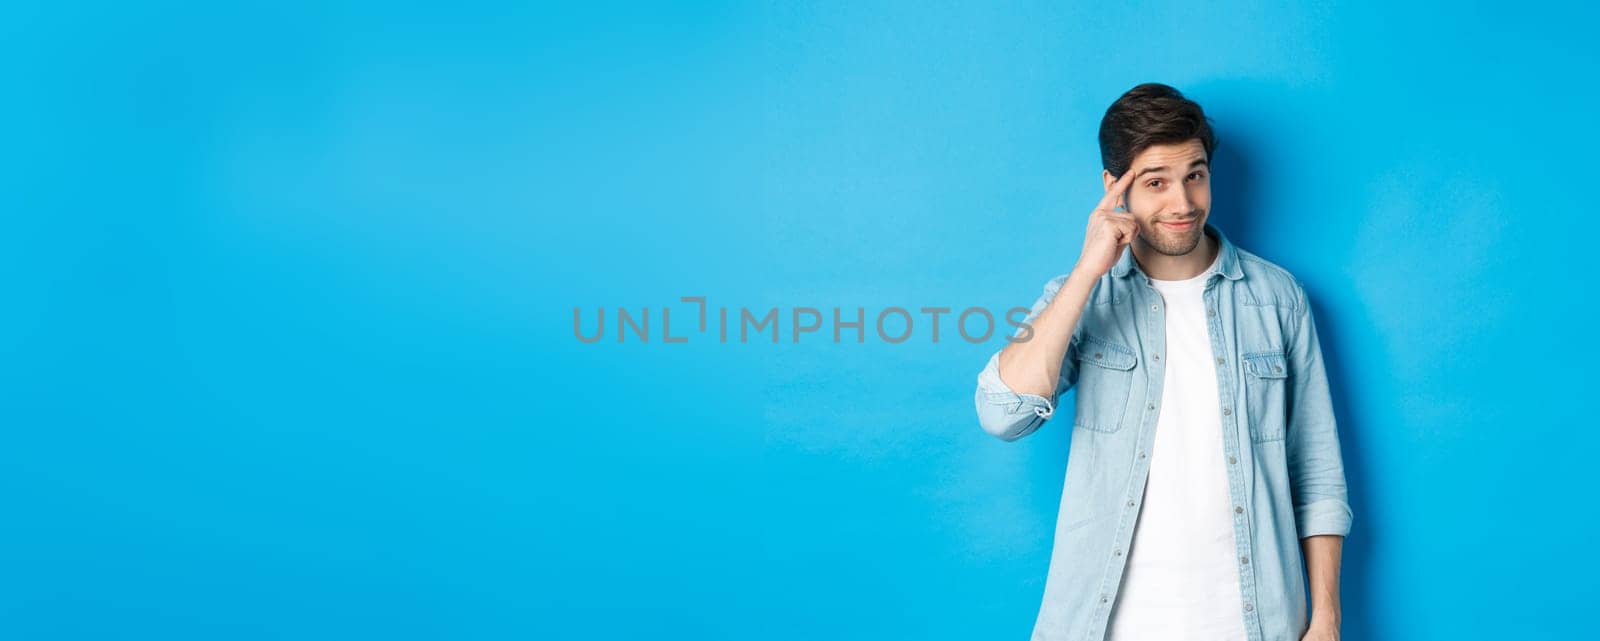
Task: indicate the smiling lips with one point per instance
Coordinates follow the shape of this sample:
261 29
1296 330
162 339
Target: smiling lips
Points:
1183 226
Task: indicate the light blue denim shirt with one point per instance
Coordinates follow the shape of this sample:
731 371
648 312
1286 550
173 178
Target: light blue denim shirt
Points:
1284 468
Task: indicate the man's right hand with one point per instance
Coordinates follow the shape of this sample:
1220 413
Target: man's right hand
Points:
1034 366
1109 231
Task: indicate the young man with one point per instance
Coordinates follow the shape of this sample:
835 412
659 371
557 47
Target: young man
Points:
1204 456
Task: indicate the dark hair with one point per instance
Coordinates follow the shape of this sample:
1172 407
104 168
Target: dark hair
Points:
1150 114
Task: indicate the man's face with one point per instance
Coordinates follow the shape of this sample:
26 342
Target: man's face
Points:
1172 183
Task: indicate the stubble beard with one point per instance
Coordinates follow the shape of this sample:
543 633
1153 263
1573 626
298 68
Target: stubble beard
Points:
1173 243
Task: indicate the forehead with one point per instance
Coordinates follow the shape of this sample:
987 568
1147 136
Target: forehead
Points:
1173 156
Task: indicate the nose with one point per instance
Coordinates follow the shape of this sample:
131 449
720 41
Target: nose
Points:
1182 204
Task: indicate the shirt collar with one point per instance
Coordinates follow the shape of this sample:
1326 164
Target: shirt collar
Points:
1227 258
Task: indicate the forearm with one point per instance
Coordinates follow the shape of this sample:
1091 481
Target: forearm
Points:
1322 554
1033 366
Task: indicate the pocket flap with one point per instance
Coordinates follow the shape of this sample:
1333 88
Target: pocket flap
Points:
1104 353
1268 364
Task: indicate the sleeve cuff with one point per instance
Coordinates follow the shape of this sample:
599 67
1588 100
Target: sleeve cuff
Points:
1005 413
1040 405
997 392
1327 516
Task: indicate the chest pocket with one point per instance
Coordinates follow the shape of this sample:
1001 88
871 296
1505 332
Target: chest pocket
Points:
1105 379
1265 377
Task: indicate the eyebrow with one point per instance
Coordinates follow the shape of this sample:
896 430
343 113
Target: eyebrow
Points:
1198 163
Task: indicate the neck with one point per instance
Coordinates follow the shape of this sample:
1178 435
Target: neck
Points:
1163 267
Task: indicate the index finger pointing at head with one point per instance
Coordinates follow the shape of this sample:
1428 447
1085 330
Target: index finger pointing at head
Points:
1117 188
1125 179
1109 200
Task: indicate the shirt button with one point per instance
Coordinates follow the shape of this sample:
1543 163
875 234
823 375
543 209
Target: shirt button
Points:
1103 600
1238 509
1221 360
1247 607
1098 354
1232 460
1156 356
1244 560
1154 307
1130 503
1141 455
1226 411
1152 406
1117 552
1211 312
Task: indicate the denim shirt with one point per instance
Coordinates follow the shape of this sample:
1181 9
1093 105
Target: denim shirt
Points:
1285 472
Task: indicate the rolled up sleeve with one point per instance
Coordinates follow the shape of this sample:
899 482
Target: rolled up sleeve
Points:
1316 464
1007 414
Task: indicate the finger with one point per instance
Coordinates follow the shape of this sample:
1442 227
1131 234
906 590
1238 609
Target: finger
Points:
1121 216
1113 197
1122 185
1125 179
1125 232
1114 193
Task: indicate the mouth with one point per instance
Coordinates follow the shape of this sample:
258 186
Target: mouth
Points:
1180 226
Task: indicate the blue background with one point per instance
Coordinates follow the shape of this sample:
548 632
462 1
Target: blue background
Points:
289 292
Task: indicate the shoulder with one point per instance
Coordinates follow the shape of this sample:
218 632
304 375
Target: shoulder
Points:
1054 284
1268 283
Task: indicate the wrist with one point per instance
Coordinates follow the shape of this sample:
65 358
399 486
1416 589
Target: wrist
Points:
1079 275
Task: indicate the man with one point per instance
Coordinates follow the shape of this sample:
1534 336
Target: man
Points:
1204 469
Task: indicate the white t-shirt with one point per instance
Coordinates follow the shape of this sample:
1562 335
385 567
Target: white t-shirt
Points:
1181 582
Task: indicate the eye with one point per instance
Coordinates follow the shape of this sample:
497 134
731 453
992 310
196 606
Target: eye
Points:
1197 175
1153 184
